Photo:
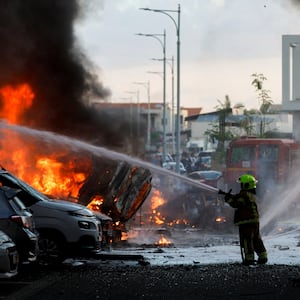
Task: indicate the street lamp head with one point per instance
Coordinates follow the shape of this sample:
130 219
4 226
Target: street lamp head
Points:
150 34
155 10
138 82
154 72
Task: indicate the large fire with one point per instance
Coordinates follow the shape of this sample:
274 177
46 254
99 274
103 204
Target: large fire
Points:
52 167
49 169
60 172
55 174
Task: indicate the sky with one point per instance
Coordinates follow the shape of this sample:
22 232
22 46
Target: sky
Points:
222 43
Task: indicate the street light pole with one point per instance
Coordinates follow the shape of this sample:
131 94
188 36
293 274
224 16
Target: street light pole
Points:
177 26
163 44
147 86
173 104
173 109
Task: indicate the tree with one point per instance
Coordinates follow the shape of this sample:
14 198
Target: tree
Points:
264 99
218 131
247 123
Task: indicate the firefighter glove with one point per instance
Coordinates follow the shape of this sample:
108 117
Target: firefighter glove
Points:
227 197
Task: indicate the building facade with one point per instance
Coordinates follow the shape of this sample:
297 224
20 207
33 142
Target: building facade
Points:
291 80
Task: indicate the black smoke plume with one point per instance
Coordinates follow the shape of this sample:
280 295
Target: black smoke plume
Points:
38 47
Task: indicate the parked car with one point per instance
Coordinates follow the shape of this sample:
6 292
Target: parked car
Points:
64 228
171 166
204 161
209 177
9 256
156 158
17 222
108 232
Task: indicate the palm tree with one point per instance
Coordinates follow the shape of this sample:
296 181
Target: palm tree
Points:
263 98
218 132
224 109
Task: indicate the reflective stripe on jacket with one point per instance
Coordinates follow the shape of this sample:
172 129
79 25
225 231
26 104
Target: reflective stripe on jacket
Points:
246 207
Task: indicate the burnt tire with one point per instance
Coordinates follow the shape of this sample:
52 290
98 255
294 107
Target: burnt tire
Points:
51 249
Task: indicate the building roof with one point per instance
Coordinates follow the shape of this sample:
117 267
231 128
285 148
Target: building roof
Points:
209 116
126 105
214 117
192 111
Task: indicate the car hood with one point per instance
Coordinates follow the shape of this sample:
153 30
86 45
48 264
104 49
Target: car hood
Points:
63 206
102 217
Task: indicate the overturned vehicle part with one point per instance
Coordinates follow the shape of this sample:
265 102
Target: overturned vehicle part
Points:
117 190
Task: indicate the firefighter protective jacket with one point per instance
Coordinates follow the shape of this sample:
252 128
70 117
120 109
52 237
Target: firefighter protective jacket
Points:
246 208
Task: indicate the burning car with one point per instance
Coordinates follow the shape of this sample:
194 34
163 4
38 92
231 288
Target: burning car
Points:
117 190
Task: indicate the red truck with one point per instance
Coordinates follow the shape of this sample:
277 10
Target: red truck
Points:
270 161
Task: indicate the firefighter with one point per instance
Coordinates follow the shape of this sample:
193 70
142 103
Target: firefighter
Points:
247 218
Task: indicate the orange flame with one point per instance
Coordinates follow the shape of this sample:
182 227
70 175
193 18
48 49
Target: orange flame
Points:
51 171
220 220
15 101
163 241
96 203
48 167
55 179
156 201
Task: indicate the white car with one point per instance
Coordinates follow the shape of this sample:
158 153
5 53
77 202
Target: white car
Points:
171 166
9 257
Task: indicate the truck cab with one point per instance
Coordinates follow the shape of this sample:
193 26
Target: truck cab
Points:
270 161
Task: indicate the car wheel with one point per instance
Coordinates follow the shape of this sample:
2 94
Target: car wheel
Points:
51 248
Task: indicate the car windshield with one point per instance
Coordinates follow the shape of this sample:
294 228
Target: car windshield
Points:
210 175
206 159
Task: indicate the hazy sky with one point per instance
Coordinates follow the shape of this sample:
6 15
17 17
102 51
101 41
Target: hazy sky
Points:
223 42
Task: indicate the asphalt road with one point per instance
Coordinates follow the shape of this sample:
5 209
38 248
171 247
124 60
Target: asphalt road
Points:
128 275
135 279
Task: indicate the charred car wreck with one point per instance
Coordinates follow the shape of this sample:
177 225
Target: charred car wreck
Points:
117 190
